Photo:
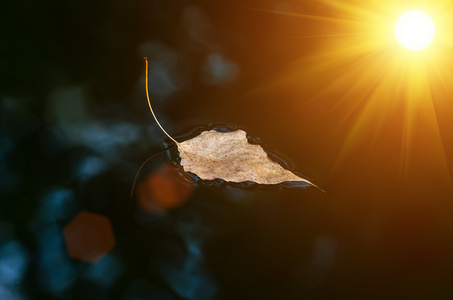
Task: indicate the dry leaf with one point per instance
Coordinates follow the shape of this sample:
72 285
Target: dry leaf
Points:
227 156
230 157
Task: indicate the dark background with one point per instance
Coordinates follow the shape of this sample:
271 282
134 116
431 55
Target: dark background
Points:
75 128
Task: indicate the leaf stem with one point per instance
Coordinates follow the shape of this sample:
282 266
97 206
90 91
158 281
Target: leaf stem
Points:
149 104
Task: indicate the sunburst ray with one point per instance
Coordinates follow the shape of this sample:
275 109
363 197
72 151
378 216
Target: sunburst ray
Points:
367 80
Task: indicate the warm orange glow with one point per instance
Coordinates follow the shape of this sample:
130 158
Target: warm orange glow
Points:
357 77
89 236
163 190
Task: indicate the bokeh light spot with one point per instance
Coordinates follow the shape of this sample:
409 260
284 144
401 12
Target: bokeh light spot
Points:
89 236
163 190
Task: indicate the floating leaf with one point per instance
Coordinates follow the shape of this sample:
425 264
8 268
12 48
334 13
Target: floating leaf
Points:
228 156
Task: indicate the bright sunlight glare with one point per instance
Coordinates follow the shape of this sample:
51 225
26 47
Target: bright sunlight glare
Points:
415 30
398 101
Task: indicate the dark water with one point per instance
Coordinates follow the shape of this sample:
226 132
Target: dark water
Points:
75 128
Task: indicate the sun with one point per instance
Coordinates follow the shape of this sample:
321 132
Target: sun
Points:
415 30
380 72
